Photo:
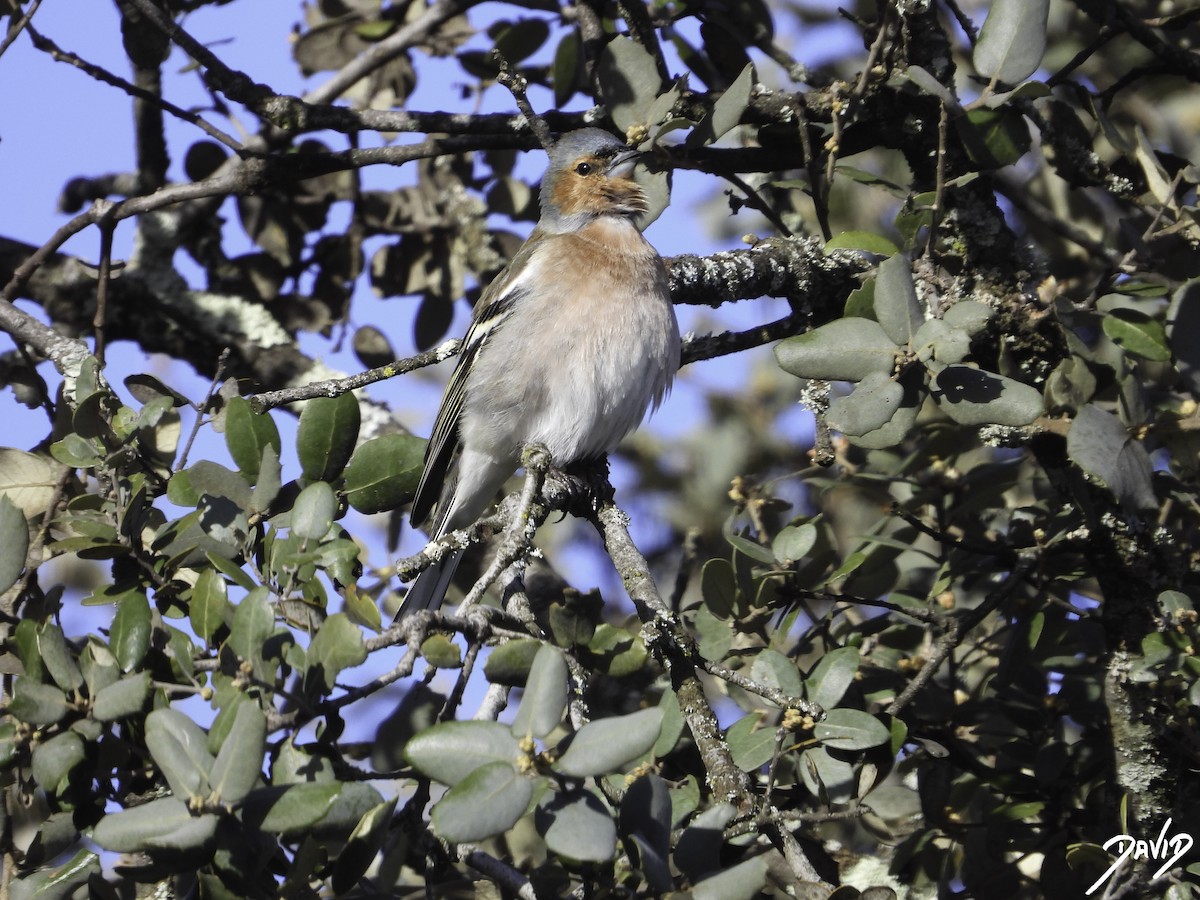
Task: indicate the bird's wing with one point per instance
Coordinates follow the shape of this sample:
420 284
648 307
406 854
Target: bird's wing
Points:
490 312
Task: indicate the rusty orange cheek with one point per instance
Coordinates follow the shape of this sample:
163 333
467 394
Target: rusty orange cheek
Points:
573 194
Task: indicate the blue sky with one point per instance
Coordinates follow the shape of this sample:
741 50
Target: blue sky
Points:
57 123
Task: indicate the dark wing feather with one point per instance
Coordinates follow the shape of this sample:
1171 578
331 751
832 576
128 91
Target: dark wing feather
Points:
498 298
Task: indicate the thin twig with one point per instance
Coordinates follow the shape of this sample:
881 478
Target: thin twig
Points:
384 51
964 22
776 696
875 51
691 547
46 45
213 386
102 280
529 515
754 201
335 387
939 195
517 85
498 871
15 27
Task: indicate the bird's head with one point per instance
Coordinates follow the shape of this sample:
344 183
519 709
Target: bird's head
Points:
588 178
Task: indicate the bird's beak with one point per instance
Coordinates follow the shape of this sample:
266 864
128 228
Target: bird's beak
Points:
622 164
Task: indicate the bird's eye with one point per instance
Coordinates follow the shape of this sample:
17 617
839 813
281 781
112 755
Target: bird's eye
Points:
584 168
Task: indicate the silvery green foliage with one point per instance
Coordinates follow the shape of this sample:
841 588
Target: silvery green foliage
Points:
908 650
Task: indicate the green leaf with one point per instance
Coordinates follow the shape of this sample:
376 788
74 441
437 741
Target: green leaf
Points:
566 67
842 350
147 389
898 426
716 635
829 779
925 80
970 316
9 743
545 697
450 751
718 586
239 763
510 662
215 480
521 39
313 511
270 482
646 816
862 176
868 407
98 665
383 473
485 803
130 634
209 608
972 396
57 656
253 622
747 546
326 436
793 543
606 745
360 851
36 703
77 452
337 646
916 213
54 759
752 745
440 652
774 670
741 882
672 726
294 809
616 652
830 678
14 543
896 306
994 138
894 803
29 480
699 849
937 344
1136 333
121 699
163 824
867 241
59 883
851 729
577 826
1100 445
860 303
247 434
180 750
1070 386
1013 40
361 608
629 78
726 112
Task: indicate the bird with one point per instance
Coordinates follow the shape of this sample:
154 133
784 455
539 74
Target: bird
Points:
569 347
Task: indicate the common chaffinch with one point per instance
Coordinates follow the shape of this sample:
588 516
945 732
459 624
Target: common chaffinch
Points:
569 347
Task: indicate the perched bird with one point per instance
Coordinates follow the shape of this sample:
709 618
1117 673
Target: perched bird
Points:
569 347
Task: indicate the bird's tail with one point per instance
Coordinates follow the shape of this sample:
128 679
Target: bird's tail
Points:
428 591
